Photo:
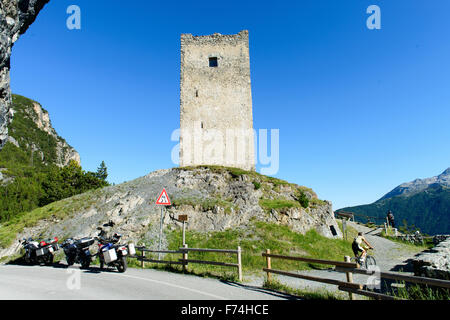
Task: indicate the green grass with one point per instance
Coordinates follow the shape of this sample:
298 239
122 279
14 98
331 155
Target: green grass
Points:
207 204
59 210
428 243
269 204
319 294
254 240
237 172
256 184
421 292
351 232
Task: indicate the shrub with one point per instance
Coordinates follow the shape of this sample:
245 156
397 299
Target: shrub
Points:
303 200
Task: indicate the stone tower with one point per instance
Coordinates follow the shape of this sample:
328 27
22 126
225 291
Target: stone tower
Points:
216 121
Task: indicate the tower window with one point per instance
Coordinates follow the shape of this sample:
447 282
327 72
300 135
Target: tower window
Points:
196 93
213 62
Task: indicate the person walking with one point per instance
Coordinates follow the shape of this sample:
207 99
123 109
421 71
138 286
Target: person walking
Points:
390 217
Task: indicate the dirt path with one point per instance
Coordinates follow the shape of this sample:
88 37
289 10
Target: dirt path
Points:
390 256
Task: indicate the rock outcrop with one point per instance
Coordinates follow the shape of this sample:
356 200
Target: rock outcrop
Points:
15 18
215 199
64 153
434 263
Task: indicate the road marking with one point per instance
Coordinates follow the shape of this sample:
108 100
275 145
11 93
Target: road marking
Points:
175 286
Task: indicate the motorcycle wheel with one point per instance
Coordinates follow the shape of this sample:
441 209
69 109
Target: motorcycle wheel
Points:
85 264
122 265
70 260
48 259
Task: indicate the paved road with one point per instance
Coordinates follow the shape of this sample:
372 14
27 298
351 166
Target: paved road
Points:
60 282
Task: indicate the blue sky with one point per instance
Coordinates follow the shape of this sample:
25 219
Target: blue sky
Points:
359 111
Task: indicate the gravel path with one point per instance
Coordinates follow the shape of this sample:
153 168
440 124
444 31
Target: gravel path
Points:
390 256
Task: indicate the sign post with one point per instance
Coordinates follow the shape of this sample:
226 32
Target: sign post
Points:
163 200
183 218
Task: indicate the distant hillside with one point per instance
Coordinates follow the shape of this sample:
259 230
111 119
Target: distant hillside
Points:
423 203
37 166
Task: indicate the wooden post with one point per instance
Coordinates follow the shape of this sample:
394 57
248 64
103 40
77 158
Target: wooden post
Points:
349 278
239 262
268 266
143 256
185 257
344 228
184 232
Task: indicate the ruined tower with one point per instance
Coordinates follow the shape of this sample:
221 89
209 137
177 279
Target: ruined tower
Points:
216 121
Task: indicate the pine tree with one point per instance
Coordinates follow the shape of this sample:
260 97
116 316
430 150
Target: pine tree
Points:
102 171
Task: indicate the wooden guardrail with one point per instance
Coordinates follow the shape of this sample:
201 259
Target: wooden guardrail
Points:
399 277
348 284
143 259
349 269
184 261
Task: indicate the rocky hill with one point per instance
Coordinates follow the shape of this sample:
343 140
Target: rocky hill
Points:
423 203
32 140
214 198
37 166
15 18
32 130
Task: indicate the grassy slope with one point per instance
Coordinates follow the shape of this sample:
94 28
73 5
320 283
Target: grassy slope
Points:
253 241
60 210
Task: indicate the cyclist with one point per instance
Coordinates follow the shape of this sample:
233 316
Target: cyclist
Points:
358 248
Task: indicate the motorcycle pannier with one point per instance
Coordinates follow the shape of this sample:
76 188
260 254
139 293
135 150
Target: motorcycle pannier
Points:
110 255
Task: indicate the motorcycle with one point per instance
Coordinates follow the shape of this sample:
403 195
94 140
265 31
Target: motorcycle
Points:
110 251
77 251
39 252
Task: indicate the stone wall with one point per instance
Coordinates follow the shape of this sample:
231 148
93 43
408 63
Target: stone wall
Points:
434 263
215 101
15 18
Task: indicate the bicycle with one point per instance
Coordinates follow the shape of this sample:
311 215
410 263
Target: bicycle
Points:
368 261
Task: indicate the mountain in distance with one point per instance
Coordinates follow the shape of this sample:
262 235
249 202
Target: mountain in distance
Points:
423 203
419 185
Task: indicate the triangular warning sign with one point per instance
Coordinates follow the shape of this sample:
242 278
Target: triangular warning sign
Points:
163 198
